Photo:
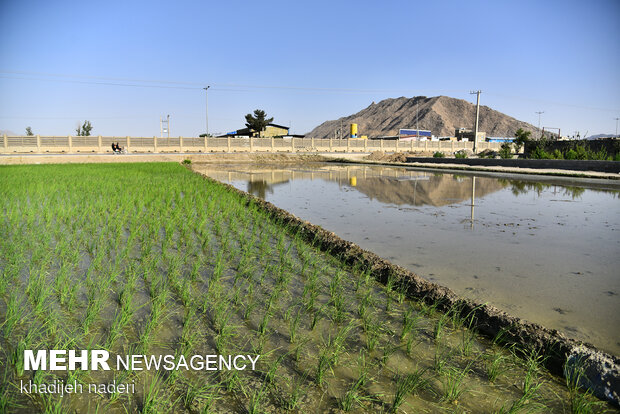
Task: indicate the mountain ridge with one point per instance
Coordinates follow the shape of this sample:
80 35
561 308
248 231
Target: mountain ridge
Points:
439 114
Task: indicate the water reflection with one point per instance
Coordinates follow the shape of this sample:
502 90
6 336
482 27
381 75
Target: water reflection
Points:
386 185
524 187
260 188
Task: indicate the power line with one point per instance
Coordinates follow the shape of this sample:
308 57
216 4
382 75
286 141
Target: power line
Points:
199 85
234 87
100 83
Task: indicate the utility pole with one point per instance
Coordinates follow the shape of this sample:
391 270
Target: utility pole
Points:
616 126
207 106
163 129
539 113
417 112
477 116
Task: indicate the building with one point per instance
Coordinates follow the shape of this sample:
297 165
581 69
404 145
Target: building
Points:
499 139
271 130
414 135
468 135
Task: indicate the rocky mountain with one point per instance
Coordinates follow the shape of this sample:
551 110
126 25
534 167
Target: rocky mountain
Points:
599 136
439 114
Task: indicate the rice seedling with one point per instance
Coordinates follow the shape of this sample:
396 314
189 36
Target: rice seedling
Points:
293 399
92 311
294 325
426 309
220 314
440 326
373 334
441 358
120 378
580 402
390 284
324 364
232 382
224 338
316 317
151 400
256 400
340 311
354 395
467 342
530 382
189 334
262 327
453 386
525 403
208 395
312 295
387 351
6 399
406 385
401 293
297 350
410 323
496 365
15 313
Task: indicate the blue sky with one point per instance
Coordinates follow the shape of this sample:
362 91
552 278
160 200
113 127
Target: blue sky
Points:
123 64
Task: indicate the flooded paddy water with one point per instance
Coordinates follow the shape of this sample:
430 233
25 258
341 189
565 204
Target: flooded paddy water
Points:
543 249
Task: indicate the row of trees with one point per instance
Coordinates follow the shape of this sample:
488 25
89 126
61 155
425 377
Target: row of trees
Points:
81 130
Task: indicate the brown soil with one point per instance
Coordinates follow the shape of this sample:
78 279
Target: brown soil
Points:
396 156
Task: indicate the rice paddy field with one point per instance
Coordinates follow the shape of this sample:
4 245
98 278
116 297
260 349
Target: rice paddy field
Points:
152 259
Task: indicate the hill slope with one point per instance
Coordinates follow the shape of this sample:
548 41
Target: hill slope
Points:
440 114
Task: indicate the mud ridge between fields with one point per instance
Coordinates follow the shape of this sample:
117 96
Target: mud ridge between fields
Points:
602 371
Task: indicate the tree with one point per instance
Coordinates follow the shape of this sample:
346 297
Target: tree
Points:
29 131
84 130
257 122
521 138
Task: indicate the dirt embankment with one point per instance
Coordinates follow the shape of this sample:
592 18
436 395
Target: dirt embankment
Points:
396 156
215 157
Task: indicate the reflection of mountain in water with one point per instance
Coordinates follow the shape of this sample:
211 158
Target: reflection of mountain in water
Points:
436 190
388 185
261 187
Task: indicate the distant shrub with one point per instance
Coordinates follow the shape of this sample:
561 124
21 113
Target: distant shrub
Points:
571 154
187 162
506 150
439 155
460 154
582 152
572 151
487 153
540 154
600 155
